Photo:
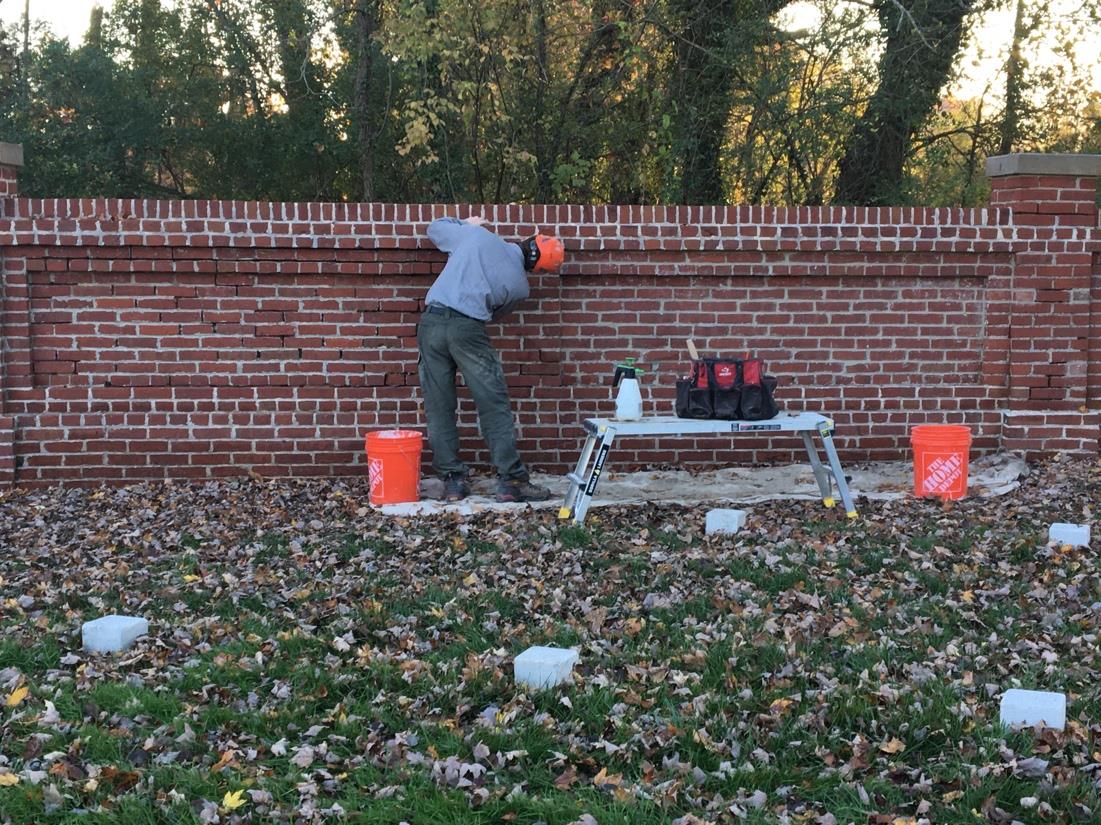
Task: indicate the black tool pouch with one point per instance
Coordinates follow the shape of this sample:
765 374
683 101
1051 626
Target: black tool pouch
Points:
718 388
693 402
694 394
725 379
757 403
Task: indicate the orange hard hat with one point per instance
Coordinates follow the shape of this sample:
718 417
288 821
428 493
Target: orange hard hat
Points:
543 253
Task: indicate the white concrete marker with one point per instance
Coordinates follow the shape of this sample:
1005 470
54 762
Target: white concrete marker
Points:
110 634
1034 707
725 521
1076 535
543 667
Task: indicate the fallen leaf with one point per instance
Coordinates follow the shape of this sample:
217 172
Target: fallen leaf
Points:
1033 766
234 800
225 759
52 799
17 696
604 779
303 757
780 705
208 814
566 778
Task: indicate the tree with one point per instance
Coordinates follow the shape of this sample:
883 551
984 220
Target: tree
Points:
714 39
1014 68
367 14
794 108
9 69
647 101
922 40
585 148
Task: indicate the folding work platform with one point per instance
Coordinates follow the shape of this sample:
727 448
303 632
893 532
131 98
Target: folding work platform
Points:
602 433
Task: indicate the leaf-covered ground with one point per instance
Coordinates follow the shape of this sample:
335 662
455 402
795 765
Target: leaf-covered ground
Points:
309 660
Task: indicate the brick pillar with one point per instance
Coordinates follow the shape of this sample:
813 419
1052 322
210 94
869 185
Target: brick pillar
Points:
11 161
1056 239
12 311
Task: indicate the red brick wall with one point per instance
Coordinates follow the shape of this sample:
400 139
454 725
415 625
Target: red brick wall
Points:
152 339
1093 379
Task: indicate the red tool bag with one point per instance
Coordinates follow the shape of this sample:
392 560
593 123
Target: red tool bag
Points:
727 388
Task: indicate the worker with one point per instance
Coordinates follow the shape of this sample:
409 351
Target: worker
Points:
485 277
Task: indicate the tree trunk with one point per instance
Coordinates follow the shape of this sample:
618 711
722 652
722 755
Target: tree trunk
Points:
302 94
702 97
544 163
1014 69
25 58
923 37
94 36
584 102
367 20
713 35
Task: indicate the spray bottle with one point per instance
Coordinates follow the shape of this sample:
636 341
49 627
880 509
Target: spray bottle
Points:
628 401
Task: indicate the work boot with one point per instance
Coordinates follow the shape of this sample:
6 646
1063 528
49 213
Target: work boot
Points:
520 489
455 488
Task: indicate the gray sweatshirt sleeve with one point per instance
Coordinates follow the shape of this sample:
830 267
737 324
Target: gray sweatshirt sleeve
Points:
507 308
444 233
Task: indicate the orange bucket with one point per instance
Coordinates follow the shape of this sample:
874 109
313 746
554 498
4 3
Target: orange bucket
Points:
394 465
941 452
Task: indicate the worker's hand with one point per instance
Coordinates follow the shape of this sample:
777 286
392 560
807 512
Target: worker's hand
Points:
475 220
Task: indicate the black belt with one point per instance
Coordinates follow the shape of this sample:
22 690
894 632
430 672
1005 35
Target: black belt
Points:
448 312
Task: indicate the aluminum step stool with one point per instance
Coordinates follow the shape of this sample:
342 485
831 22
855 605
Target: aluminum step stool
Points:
602 433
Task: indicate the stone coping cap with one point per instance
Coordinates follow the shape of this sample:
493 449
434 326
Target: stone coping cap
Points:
1043 163
11 154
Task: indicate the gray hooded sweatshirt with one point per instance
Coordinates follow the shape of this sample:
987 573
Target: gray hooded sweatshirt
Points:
484 276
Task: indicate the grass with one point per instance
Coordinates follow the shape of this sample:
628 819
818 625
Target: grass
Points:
807 666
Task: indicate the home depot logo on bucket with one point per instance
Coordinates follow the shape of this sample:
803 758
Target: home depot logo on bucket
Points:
375 474
942 474
941 452
393 465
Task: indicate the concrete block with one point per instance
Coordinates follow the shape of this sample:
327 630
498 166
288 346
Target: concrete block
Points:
110 634
1034 707
1076 535
543 667
725 521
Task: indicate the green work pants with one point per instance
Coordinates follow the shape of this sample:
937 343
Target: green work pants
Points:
448 341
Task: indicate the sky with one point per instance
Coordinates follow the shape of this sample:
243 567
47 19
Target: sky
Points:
67 18
985 57
983 62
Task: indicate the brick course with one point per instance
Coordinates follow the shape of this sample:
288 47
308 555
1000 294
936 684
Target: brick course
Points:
197 339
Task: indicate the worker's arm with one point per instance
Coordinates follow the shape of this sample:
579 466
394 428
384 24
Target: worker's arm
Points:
513 288
445 232
505 309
